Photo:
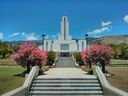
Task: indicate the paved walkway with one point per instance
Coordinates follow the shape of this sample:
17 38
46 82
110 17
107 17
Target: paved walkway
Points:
65 68
65 73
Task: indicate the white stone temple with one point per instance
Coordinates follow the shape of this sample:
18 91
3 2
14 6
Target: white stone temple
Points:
64 43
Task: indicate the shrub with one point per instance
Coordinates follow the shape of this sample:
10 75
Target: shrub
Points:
4 49
29 55
51 57
121 50
78 58
97 54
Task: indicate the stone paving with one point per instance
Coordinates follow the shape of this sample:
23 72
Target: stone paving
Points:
66 73
65 68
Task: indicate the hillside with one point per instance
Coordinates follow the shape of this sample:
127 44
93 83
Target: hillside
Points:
110 40
102 40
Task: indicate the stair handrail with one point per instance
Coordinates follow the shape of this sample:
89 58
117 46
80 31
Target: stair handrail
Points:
107 88
55 61
24 89
76 64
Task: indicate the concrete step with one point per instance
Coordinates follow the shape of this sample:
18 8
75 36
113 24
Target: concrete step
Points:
66 89
66 81
66 93
90 78
66 85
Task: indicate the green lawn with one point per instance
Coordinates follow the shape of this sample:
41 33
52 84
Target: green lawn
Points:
7 79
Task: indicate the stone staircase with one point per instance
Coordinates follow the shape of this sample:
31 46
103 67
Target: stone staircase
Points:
66 87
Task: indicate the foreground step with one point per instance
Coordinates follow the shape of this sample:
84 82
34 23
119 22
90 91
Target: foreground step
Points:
66 81
66 85
66 93
89 78
66 89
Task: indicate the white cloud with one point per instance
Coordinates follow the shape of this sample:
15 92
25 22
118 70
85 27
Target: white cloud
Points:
1 35
46 37
23 33
31 37
105 23
105 27
14 34
98 31
126 18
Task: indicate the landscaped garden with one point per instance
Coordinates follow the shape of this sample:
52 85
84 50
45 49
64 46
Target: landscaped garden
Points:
27 56
11 74
98 55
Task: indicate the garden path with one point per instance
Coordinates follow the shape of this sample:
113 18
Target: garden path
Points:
65 68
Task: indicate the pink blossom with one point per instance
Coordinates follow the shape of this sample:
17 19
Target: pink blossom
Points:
96 54
30 54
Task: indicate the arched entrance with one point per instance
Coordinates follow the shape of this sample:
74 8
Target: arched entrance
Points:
65 54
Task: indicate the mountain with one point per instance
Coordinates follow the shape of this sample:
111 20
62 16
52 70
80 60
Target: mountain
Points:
117 39
37 42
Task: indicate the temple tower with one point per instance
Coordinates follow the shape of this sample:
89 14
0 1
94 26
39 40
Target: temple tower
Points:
64 29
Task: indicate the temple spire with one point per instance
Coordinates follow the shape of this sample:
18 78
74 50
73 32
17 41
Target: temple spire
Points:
64 29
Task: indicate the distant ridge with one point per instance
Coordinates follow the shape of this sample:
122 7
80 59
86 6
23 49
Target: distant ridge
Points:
117 39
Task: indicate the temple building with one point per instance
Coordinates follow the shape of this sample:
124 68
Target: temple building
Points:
64 43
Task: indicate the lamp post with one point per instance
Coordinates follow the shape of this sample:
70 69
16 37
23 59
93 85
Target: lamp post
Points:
43 41
86 37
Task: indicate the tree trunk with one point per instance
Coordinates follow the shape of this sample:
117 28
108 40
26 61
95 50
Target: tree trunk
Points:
90 65
103 67
3 55
28 67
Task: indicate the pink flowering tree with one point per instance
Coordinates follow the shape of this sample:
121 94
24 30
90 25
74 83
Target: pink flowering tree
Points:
29 55
97 54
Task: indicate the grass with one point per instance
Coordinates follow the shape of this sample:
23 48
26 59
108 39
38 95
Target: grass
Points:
119 61
8 81
120 77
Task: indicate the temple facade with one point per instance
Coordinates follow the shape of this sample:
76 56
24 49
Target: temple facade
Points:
64 43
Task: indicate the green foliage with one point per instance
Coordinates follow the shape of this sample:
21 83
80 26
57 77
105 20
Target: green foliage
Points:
121 50
4 49
78 58
51 57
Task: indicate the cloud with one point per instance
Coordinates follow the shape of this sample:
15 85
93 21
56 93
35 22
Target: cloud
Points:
105 27
98 31
105 23
1 35
14 34
126 18
23 33
31 37
46 37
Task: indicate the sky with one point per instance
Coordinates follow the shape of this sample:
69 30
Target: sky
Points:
29 19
